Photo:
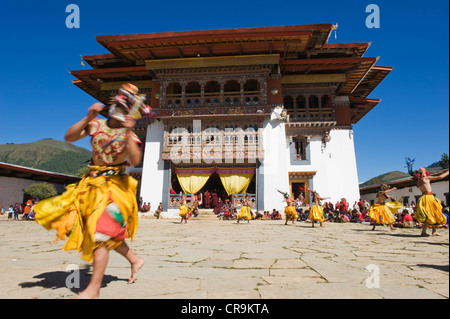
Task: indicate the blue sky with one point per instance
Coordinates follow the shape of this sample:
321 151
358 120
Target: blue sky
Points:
38 99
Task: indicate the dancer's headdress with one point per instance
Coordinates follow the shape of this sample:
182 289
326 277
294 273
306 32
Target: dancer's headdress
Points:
414 173
127 102
306 189
409 165
285 194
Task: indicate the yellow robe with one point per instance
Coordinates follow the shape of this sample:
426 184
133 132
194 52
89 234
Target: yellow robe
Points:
384 214
429 209
290 212
245 213
75 212
184 210
316 213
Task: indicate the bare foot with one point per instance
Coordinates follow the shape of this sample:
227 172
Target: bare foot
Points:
88 294
436 234
424 235
135 268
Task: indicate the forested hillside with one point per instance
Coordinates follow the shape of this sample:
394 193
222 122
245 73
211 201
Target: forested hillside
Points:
50 155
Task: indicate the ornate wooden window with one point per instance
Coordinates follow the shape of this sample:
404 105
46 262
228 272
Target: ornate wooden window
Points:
300 143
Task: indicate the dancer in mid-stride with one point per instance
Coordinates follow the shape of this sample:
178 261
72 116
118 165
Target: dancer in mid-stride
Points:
245 212
100 211
185 210
384 212
316 211
429 208
290 212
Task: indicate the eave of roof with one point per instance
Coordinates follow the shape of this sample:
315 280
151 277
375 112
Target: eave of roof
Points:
399 183
7 169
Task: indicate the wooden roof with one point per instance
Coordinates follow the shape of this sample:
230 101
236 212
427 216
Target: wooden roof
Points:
282 39
302 50
11 170
400 183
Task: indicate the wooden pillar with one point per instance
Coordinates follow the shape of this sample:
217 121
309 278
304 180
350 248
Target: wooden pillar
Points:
295 108
241 91
307 107
222 91
183 93
319 100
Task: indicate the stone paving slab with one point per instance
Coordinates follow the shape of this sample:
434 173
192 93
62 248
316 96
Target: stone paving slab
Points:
213 259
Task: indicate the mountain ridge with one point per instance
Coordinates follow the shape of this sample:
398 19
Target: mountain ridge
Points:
48 154
394 175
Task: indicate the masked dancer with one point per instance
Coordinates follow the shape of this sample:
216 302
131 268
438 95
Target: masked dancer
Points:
98 213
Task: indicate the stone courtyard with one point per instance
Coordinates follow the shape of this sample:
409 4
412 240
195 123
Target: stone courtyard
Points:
214 259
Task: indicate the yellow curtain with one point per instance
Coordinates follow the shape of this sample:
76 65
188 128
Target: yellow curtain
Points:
236 183
191 183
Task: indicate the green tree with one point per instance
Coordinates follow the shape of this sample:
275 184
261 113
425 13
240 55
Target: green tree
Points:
82 171
40 190
444 161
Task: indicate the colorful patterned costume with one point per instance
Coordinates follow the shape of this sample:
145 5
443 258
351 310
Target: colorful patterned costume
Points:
316 213
429 209
101 209
384 214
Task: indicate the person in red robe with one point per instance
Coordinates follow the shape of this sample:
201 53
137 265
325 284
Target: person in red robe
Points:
207 199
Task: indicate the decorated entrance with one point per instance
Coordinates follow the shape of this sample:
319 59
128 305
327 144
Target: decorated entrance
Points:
226 182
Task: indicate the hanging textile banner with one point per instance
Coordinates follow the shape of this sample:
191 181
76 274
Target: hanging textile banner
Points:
194 170
192 179
235 170
235 180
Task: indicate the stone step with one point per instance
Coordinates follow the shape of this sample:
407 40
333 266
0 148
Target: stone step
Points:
203 211
206 214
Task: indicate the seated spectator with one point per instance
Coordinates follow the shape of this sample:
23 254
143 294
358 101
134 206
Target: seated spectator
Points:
158 210
276 214
344 218
360 217
406 220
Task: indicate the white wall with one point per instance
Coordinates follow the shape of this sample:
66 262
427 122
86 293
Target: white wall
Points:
341 166
153 166
275 165
335 166
11 189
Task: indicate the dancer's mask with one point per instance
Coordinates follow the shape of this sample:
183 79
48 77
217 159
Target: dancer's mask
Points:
126 102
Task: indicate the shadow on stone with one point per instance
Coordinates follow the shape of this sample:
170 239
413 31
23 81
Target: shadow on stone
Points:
438 267
58 279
